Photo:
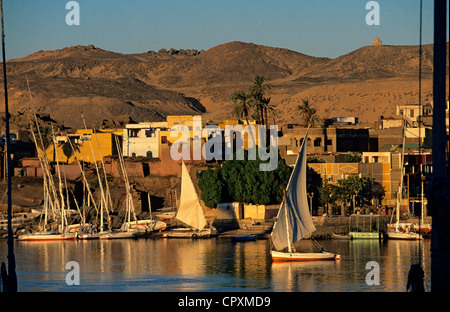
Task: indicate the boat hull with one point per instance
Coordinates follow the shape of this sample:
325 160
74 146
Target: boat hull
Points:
278 256
91 236
404 236
47 237
339 236
365 235
120 235
187 233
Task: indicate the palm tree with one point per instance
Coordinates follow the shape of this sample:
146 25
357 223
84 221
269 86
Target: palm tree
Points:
241 107
257 90
308 112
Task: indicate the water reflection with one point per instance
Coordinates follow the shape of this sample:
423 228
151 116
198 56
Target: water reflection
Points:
212 265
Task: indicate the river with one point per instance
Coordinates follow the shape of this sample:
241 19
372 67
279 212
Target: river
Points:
212 265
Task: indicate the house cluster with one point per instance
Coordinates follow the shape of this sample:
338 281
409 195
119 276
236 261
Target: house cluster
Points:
392 151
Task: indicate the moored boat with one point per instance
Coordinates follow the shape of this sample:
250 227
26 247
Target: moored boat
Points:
190 212
404 235
294 221
47 236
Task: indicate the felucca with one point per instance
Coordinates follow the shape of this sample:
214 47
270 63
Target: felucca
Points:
190 211
294 221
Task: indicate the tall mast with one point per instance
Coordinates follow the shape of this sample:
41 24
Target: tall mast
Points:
12 277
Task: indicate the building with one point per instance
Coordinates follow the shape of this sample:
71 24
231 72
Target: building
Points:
143 139
412 111
89 146
323 140
392 139
377 42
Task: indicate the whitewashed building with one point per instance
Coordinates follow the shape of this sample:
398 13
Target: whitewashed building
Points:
143 139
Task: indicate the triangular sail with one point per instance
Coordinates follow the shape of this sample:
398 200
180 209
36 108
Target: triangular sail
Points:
294 221
190 210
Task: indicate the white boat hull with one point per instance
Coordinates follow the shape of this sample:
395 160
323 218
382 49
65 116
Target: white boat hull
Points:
403 235
278 256
88 236
47 236
187 233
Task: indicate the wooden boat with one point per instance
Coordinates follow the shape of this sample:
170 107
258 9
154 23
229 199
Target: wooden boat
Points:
147 226
244 238
294 221
190 212
166 215
187 233
342 236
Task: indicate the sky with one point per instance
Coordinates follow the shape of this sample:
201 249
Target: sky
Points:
325 28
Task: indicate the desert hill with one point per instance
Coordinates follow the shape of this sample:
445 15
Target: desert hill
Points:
366 83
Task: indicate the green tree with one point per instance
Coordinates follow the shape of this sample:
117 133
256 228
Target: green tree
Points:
44 137
212 187
243 181
308 113
352 158
348 187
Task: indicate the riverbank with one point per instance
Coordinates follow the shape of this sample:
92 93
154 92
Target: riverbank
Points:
325 226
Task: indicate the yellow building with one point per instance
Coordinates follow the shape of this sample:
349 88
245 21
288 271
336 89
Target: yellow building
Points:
103 144
192 123
382 167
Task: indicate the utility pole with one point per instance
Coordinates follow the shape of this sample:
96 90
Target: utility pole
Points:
439 184
10 285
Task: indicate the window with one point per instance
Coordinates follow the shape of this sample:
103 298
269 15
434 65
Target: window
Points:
133 133
411 114
317 141
164 139
149 154
149 133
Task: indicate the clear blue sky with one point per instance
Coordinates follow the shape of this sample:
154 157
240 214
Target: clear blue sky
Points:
327 28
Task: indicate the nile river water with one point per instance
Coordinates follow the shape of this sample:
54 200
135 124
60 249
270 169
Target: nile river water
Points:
216 265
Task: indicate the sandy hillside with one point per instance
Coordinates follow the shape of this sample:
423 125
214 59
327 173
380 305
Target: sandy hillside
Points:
364 83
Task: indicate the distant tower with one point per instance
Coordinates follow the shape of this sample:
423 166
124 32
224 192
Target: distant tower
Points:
376 42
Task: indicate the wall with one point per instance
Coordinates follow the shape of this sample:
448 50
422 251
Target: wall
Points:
103 144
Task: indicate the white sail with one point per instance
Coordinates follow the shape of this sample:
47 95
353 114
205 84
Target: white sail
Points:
190 210
294 221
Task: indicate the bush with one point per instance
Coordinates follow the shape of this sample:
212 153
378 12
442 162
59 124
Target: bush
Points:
242 180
